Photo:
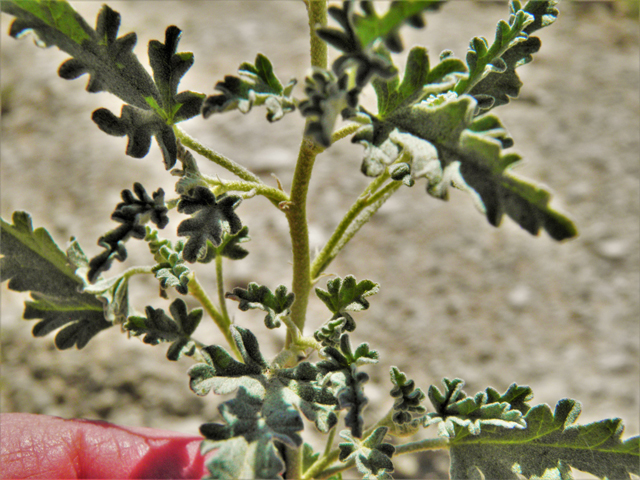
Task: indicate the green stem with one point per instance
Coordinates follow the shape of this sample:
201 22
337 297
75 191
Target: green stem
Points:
130 272
215 157
222 322
297 208
293 457
220 286
317 11
373 198
299 232
271 193
422 445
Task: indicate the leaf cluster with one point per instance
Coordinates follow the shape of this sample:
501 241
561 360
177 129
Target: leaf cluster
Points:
257 85
341 297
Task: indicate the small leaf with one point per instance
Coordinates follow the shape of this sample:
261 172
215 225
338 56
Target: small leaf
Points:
158 327
348 294
257 85
246 443
212 218
408 398
275 304
371 456
132 214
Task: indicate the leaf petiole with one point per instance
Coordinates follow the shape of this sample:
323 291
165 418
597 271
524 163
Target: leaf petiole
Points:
215 157
274 194
221 321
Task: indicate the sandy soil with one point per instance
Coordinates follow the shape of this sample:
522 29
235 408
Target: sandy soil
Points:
458 299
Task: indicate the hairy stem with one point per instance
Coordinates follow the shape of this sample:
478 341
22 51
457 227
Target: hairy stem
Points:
222 322
293 457
372 198
297 217
215 157
422 445
220 286
272 193
297 208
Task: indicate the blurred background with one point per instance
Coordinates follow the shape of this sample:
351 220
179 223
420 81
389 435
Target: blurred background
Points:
458 297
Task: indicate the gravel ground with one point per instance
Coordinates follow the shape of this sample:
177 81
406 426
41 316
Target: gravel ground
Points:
458 297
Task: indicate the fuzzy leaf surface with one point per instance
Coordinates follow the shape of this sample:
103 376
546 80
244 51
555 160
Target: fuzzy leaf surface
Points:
158 327
276 304
32 262
548 446
132 213
109 60
245 442
459 415
513 46
152 104
347 294
301 386
212 218
470 152
408 398
256 85
372 456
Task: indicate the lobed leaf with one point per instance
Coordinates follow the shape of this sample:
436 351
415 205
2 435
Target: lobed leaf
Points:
347 294
470 152
458 415
276 304
549 445
158 327
213 217
152 104
512 47
132 214
257 85
246 443
32 262
408 398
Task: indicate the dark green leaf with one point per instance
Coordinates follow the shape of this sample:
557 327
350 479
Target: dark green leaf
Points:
512 47
158 327
212 218
257 85
33 262
108 60
328 97
408 398
348 294
548 446
132 214
168 69
276 304
329 334
230 246
245 444
112 66
470 152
